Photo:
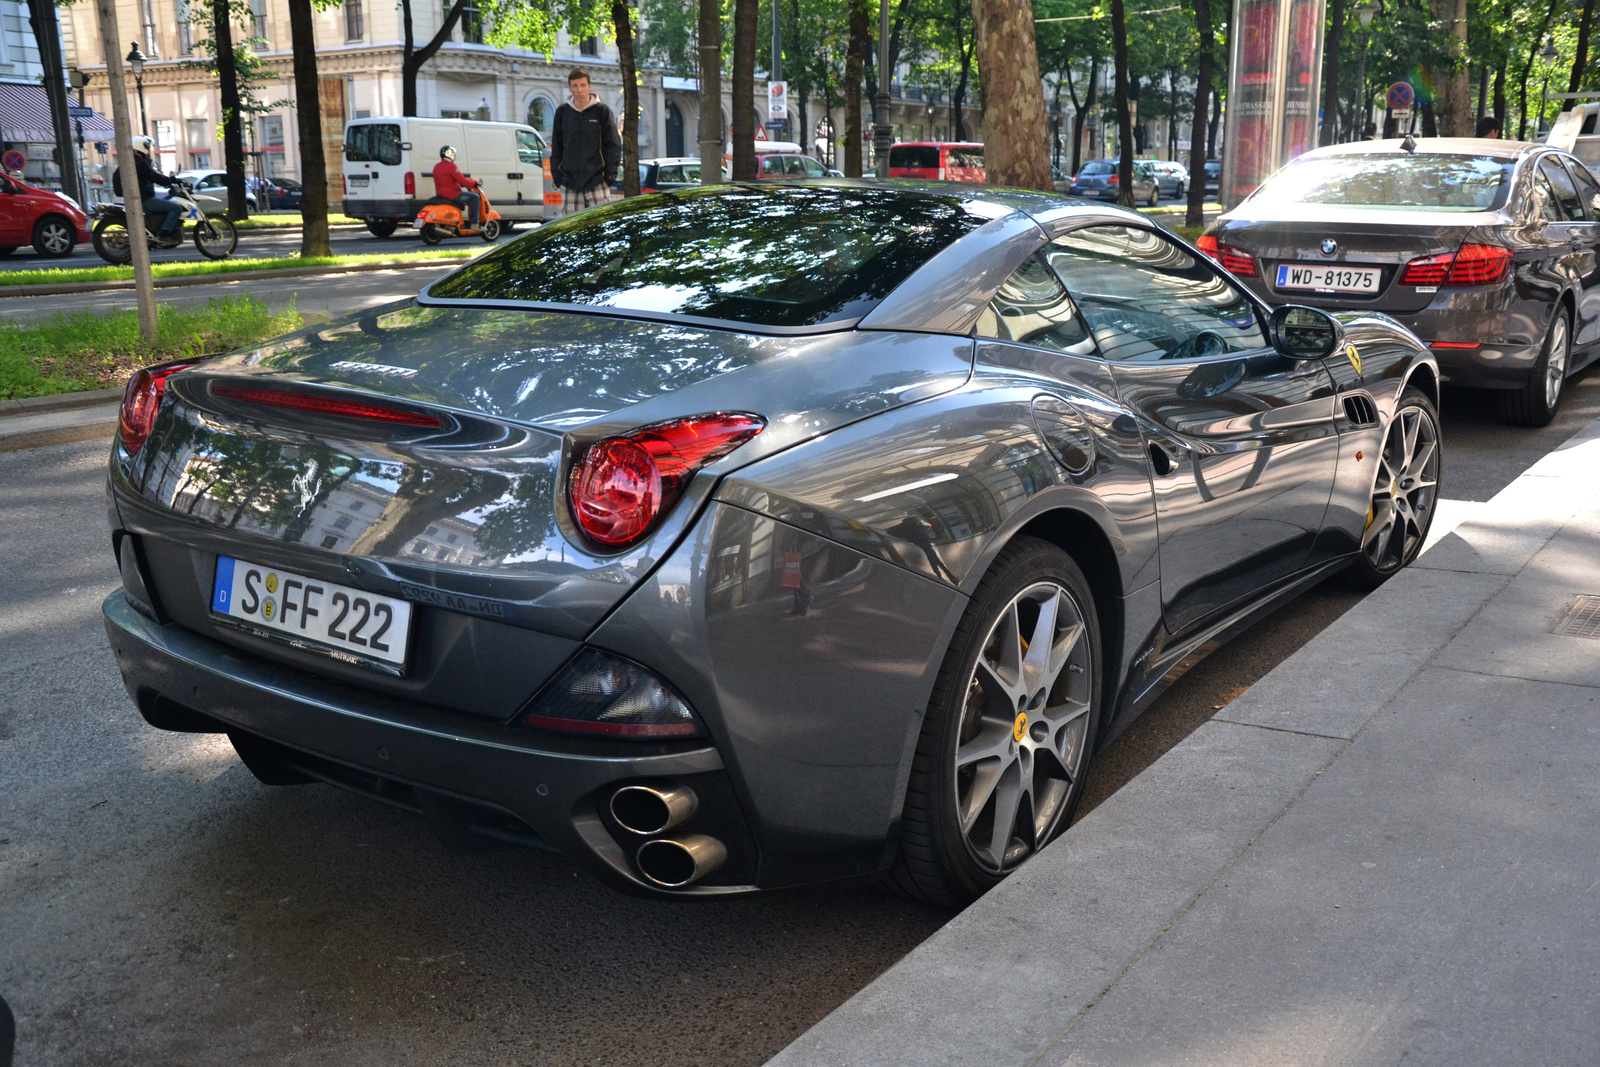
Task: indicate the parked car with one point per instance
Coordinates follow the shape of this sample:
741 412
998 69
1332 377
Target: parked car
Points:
1098 179
774 535
388 169
1172 178
50 222
1485 249
284 194
214 184
662 175
783 159
944 161
1213 178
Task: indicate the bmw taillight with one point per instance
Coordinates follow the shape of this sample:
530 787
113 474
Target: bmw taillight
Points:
1233 260
620 486
411 183
1472 265
141 402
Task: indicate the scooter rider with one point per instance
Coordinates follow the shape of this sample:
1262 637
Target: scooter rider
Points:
450 184
171 214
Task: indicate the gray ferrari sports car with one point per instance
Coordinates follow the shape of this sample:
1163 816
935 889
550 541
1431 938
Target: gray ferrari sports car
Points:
752 536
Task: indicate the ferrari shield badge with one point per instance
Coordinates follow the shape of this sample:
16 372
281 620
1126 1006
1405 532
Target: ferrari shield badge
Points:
1354 356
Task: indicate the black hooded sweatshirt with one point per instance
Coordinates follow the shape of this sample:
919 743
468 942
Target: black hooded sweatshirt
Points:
584 147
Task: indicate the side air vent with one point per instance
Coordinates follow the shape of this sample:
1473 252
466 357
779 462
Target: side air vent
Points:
1360 410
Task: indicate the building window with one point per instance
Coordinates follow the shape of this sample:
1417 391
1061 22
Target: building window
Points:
342 522
152 50
589 46
166 145
197 138
541 115
454 113
185 36
330 541
258 16
354 28
471 21
271 144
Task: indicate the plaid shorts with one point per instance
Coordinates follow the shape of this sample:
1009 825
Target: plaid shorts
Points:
574 200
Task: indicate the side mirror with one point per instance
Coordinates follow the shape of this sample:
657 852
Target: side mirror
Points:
1305 333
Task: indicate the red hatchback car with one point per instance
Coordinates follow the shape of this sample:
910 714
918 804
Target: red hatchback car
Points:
38 217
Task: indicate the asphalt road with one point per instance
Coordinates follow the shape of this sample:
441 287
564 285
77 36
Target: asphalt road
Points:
253 243
159 906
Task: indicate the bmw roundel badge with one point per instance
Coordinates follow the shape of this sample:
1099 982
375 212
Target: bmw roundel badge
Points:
1329 246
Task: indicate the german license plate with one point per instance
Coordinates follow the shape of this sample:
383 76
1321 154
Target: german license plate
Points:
357 181
322 615
1336 279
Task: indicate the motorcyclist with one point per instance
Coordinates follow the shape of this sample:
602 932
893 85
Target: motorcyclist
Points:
450 184
171 214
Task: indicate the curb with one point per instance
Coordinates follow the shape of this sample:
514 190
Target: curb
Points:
35 405
64 288
64 435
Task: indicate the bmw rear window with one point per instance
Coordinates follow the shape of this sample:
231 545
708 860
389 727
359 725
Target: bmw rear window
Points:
780 256
1399 180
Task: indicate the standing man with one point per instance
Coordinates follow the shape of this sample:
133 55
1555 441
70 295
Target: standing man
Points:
1489 127
585 150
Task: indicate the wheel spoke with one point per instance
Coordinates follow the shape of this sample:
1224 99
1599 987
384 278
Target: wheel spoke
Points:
979 792
1036 662
993 741
1007 801
1419 463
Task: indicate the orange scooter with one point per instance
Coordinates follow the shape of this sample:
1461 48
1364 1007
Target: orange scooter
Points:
439 218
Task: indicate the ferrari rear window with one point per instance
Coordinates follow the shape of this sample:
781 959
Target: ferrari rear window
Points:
780 255
1399 180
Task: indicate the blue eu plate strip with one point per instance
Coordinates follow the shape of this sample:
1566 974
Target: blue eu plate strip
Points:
223 593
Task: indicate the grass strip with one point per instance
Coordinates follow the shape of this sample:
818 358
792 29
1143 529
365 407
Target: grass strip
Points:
288 218
1188 233
109 273
68 353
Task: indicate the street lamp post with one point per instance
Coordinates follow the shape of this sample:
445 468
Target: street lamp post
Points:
1549 54
1366 12
135 59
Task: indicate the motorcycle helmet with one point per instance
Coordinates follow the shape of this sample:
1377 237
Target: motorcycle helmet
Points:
447 152
143 146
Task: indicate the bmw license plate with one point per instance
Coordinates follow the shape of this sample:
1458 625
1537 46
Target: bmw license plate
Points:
323 616
1335 279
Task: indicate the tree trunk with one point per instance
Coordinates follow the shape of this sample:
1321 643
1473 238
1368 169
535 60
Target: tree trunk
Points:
1172 114
1527 68
854 63
1452 108
1581 58
412 59
1016 133
228 88
1330 71
806 137
630 98
46 33
122 124
1194 212
958 98
1483 91
710 92
1216 122
308 118
1119 48
1500 90
742 127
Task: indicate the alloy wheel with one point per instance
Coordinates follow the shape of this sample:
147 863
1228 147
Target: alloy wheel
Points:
55 238
1555 364
1403 497
1023 726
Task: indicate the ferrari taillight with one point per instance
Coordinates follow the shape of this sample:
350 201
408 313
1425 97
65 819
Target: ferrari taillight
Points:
141 402
620 486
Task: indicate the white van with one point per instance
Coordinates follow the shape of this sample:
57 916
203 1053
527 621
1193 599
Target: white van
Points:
1575 129
388 168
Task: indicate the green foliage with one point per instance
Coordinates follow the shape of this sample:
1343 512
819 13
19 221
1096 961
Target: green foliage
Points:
90 350
533 24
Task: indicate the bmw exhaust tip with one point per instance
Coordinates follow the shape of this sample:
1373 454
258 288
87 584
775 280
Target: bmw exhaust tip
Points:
647 810
673 863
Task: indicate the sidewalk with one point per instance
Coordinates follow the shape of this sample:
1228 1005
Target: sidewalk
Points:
1385 851
58 420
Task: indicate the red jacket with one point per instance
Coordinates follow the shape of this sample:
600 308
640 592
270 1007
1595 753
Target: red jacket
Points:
448 181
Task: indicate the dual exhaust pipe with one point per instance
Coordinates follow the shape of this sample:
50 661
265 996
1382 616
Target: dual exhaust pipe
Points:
669 862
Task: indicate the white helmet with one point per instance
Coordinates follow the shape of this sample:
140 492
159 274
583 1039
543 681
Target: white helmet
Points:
143 146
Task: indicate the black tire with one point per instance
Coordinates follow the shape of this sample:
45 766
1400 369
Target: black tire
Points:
54 237
111 241
936 861
1374 566
382 227
491 231
215 238
1536 403
432 234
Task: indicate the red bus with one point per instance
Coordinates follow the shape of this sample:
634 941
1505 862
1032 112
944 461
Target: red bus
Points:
945 161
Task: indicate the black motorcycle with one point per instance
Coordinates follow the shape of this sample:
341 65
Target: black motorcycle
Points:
214 236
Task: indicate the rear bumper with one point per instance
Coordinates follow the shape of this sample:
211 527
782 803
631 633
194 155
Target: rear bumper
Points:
552 787
364 208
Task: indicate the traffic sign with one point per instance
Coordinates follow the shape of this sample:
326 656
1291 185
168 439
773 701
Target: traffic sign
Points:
1401 95
81 112
777 125
14 160
777 99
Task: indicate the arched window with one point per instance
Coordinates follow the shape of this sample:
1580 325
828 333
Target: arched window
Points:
542 115
674 130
